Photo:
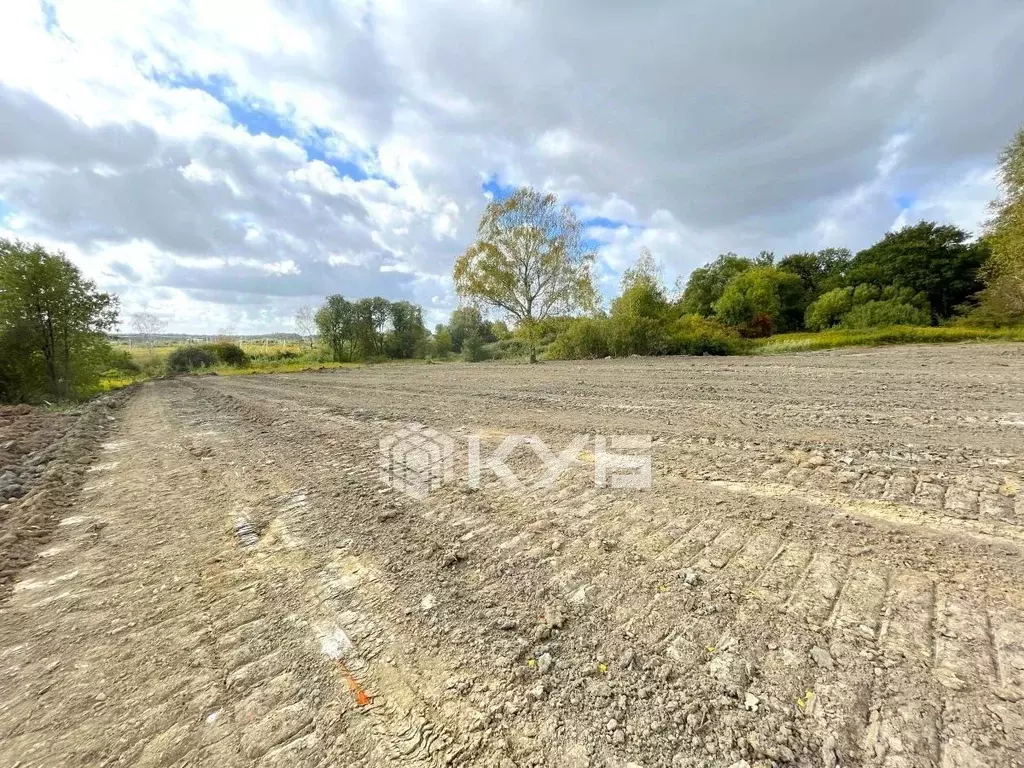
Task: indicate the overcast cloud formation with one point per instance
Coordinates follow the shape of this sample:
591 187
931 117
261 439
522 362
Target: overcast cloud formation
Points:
222 163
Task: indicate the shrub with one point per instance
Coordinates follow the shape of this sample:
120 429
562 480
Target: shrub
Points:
507 348
696 335
585 338
185 359
228 353
637 335
120 360
473 350
274 355
829 309
874 314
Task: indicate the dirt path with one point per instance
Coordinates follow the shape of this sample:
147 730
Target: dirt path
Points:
826 570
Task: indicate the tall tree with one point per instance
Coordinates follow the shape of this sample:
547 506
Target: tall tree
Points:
761 301
639 315
53 323
707 284
467 322
529 260
408 334
935 259
818 272
335 321
1003 296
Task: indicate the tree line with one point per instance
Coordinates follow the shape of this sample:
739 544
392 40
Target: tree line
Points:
530 265
370 328
529 262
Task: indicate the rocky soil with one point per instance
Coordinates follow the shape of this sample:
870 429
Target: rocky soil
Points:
43 458
825 571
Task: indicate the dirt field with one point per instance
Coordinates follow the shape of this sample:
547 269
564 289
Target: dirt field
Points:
825 571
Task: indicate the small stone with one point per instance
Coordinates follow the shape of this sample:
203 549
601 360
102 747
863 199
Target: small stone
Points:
618 737
553 616
544 663
612 724
101 696
822 658
750 702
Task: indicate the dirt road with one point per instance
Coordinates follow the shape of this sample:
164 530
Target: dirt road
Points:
826 570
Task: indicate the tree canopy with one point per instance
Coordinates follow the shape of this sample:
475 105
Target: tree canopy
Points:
53 325
529 261
938 260
1002 299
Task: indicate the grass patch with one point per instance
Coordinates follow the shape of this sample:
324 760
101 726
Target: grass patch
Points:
870 337
110 383
279 366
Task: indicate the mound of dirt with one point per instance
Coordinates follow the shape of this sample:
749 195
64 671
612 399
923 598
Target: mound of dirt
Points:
43 459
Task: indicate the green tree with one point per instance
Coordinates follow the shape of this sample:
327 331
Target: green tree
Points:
408 335
639 316
441 343
529 261
818 272
53 325
935 259
466 322
829 309
761 301
707 284
335 323
370 319
1002 299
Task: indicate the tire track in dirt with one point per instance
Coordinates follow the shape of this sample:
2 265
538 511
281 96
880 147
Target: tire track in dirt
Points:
705 542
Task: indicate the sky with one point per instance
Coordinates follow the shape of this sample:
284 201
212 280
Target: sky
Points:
221 164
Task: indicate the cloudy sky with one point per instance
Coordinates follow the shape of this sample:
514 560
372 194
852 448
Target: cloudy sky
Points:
222 162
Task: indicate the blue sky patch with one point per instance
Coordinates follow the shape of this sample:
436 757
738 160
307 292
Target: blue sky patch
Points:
259 118
496 189
49 16
905 200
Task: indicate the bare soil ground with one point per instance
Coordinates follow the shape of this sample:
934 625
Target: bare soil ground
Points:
826 571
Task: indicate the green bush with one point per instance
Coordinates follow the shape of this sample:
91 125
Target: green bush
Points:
473 349
120 360
829 309
696 335
227 353
506 349
875 314
586 338
274 355
637 335
186 359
